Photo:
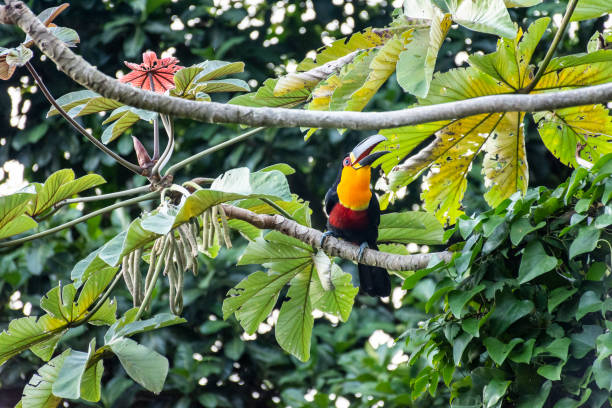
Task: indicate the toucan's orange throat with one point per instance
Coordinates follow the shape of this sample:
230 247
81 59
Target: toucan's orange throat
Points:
354 188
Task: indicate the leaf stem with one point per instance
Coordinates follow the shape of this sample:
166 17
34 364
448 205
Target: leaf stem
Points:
278 208
75 124
551 50
79 220
213 149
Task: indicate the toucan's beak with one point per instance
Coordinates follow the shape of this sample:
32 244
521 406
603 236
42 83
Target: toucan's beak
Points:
361 157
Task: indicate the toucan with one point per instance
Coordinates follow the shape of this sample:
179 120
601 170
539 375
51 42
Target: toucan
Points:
354 213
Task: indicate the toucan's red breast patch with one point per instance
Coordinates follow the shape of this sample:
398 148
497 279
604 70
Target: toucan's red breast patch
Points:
347 219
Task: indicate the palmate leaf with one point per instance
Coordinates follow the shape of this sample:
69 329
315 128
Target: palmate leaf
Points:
123 118
68 382
145 366
82 103
288 260
457 142
499 135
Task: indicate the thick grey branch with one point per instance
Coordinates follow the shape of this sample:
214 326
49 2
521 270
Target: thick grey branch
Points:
333 246
82 72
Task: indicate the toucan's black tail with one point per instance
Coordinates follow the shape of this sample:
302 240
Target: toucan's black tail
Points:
374 280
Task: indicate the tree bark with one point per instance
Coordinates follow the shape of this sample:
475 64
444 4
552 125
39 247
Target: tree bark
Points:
334 246
82 72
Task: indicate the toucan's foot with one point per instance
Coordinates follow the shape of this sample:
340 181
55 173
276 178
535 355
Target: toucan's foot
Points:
361 248
325 235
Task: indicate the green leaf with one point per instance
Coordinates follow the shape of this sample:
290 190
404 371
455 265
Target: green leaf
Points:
562 129
411 226
12 220
216 69
459 345
282 167
587 9
224 85
120 125
457 299
185 80
37 393
234 349
339 299
602 373
145 366
508 310
521 227
585 341
65 35
498 350
60 186
294 326
586 241
521 3
558 296
73 99
551 372
486 16
604 345
493 392
68 382
536 400
95 105
120 329
589 302
535 262
91 382
523 355
17 57
557 348
416 63
264 96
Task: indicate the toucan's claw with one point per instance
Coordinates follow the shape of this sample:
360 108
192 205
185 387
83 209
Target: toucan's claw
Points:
325 235
361 248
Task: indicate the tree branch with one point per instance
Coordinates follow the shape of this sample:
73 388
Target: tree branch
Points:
82 72
334 246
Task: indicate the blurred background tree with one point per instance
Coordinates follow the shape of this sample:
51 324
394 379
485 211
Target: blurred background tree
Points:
354 363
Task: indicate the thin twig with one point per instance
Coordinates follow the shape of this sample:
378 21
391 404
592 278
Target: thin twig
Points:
80 219
213 149
553 46
75 124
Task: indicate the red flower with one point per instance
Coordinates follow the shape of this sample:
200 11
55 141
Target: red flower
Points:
153 74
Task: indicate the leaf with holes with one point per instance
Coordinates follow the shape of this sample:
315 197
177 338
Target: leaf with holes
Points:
588 128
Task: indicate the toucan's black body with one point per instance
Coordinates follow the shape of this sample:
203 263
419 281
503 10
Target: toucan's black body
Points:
359 226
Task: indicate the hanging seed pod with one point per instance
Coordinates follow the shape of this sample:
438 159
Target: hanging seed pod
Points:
184 235
168 259
195 230
152 261
137 278
191 237
127 276
216 223
205 227
226 230
212 214
179 254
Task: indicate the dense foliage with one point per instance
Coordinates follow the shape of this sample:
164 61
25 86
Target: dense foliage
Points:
519 316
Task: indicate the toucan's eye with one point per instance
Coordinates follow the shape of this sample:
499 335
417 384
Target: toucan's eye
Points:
347 161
